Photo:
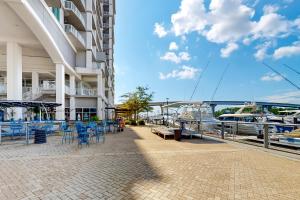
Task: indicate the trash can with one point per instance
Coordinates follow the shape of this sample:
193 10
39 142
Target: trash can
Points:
40 136
177 134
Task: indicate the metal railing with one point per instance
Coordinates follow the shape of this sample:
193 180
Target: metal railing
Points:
69 5
71 29
276 136
86 92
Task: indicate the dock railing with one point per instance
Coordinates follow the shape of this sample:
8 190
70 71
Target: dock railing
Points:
263 134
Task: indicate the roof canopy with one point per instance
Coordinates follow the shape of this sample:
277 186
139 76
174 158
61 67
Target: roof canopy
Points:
27 104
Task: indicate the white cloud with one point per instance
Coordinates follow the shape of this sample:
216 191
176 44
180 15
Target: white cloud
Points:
272 25
185 72
231 21
270 9
173 46
160 30
271 77
173 57
261 52
297 23
287 97
190 17
287 51
231 47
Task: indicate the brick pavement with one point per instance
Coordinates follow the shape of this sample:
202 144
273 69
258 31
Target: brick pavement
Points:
139 165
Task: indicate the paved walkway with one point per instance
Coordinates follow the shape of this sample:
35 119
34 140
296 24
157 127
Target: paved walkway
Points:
137 164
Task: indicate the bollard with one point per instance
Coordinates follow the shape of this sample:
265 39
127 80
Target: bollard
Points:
266 136
223 130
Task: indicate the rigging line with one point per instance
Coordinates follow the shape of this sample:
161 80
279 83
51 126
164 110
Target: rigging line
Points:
294 70
220 81
199 79
285 78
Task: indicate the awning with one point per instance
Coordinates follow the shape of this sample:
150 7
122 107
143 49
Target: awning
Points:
27 104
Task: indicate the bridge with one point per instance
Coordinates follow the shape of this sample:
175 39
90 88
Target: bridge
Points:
230 103
213 104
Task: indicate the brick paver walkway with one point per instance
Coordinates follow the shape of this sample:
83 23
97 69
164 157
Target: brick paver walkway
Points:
139 165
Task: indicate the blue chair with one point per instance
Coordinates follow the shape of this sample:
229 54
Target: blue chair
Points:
31 128
83 135
67 133
100 133
16 129
49 128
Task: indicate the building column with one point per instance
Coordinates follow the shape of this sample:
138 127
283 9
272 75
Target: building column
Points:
35 82
60 91
72 98
14 75
99 96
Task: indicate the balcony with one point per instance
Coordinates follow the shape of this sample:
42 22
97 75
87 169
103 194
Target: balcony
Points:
106 2
106 25
105 46
53 3
80 4
86 92
106 36
42 18
106 13
75 36
74 16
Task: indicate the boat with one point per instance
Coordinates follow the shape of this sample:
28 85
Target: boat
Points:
246 121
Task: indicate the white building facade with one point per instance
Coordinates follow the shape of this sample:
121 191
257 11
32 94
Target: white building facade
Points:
58 51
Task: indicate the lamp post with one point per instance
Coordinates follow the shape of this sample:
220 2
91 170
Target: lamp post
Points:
167 112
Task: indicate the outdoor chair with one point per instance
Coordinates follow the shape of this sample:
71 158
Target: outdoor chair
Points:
49 128
67 133
83 135
16 129
100 134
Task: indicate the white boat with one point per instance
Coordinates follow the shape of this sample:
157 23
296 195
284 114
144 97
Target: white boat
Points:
240 124
289 116
246 121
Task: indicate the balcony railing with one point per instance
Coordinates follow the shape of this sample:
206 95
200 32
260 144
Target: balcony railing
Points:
71 29
106 36
106 13
105 46
69 5
86 92
105 25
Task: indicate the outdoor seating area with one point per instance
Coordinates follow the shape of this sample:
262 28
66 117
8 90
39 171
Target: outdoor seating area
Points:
84 133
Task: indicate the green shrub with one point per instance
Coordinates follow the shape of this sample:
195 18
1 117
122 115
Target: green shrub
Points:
133 122
127 122
141 122
94 118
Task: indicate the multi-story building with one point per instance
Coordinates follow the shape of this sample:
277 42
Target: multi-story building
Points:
58 51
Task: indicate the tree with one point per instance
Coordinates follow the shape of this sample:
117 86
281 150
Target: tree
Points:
137 101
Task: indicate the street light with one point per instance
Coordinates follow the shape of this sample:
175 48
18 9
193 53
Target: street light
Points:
167 112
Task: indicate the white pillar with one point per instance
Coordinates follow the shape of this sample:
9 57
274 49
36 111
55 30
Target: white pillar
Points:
60 91
14 75
35 82
99 94
72 98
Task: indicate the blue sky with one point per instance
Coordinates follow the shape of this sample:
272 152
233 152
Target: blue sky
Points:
165 45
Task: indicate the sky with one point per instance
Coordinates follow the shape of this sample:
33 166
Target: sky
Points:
170 45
